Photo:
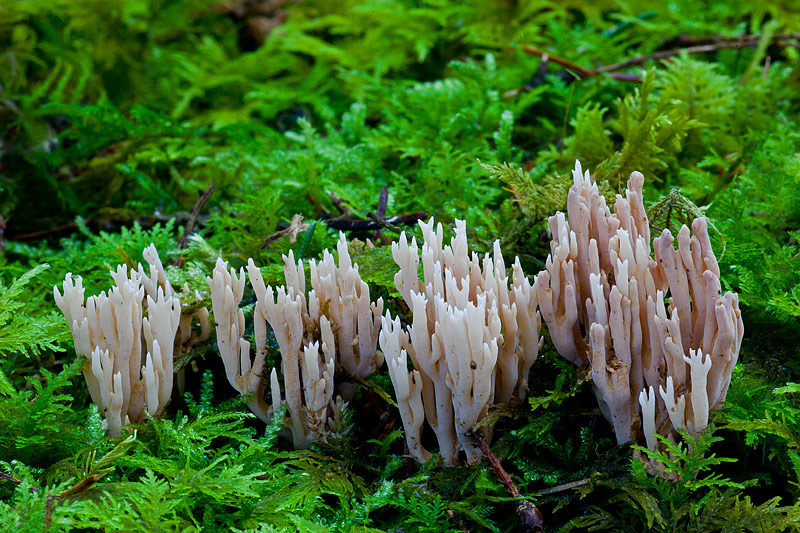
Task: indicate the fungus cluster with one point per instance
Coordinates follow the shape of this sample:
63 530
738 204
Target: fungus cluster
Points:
113 331
641 323
334 325
472 341
659 337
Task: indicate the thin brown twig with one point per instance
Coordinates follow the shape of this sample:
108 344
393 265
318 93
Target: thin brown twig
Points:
582 72
384 223
340 205
577 70
562 488
529 515
43 233
9 477
717 43
689 50
687 39
12 479
373 224
187 229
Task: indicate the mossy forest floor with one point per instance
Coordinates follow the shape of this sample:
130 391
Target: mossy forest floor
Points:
116 115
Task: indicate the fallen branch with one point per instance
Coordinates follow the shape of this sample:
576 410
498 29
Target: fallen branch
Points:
575 69
374 223
384 223
529 515
12 479
377 221
187 229
340 205
689 40
45 232
728 45
710 45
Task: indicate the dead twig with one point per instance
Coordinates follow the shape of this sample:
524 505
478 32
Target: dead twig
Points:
373 224
9 477
384 223
577 70
689 40
340 205
12 479
295 227
582 72
187 229
529 515
728 45
45 232
346 221
711 44
562 488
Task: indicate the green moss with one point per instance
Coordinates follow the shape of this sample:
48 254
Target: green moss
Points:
115 116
